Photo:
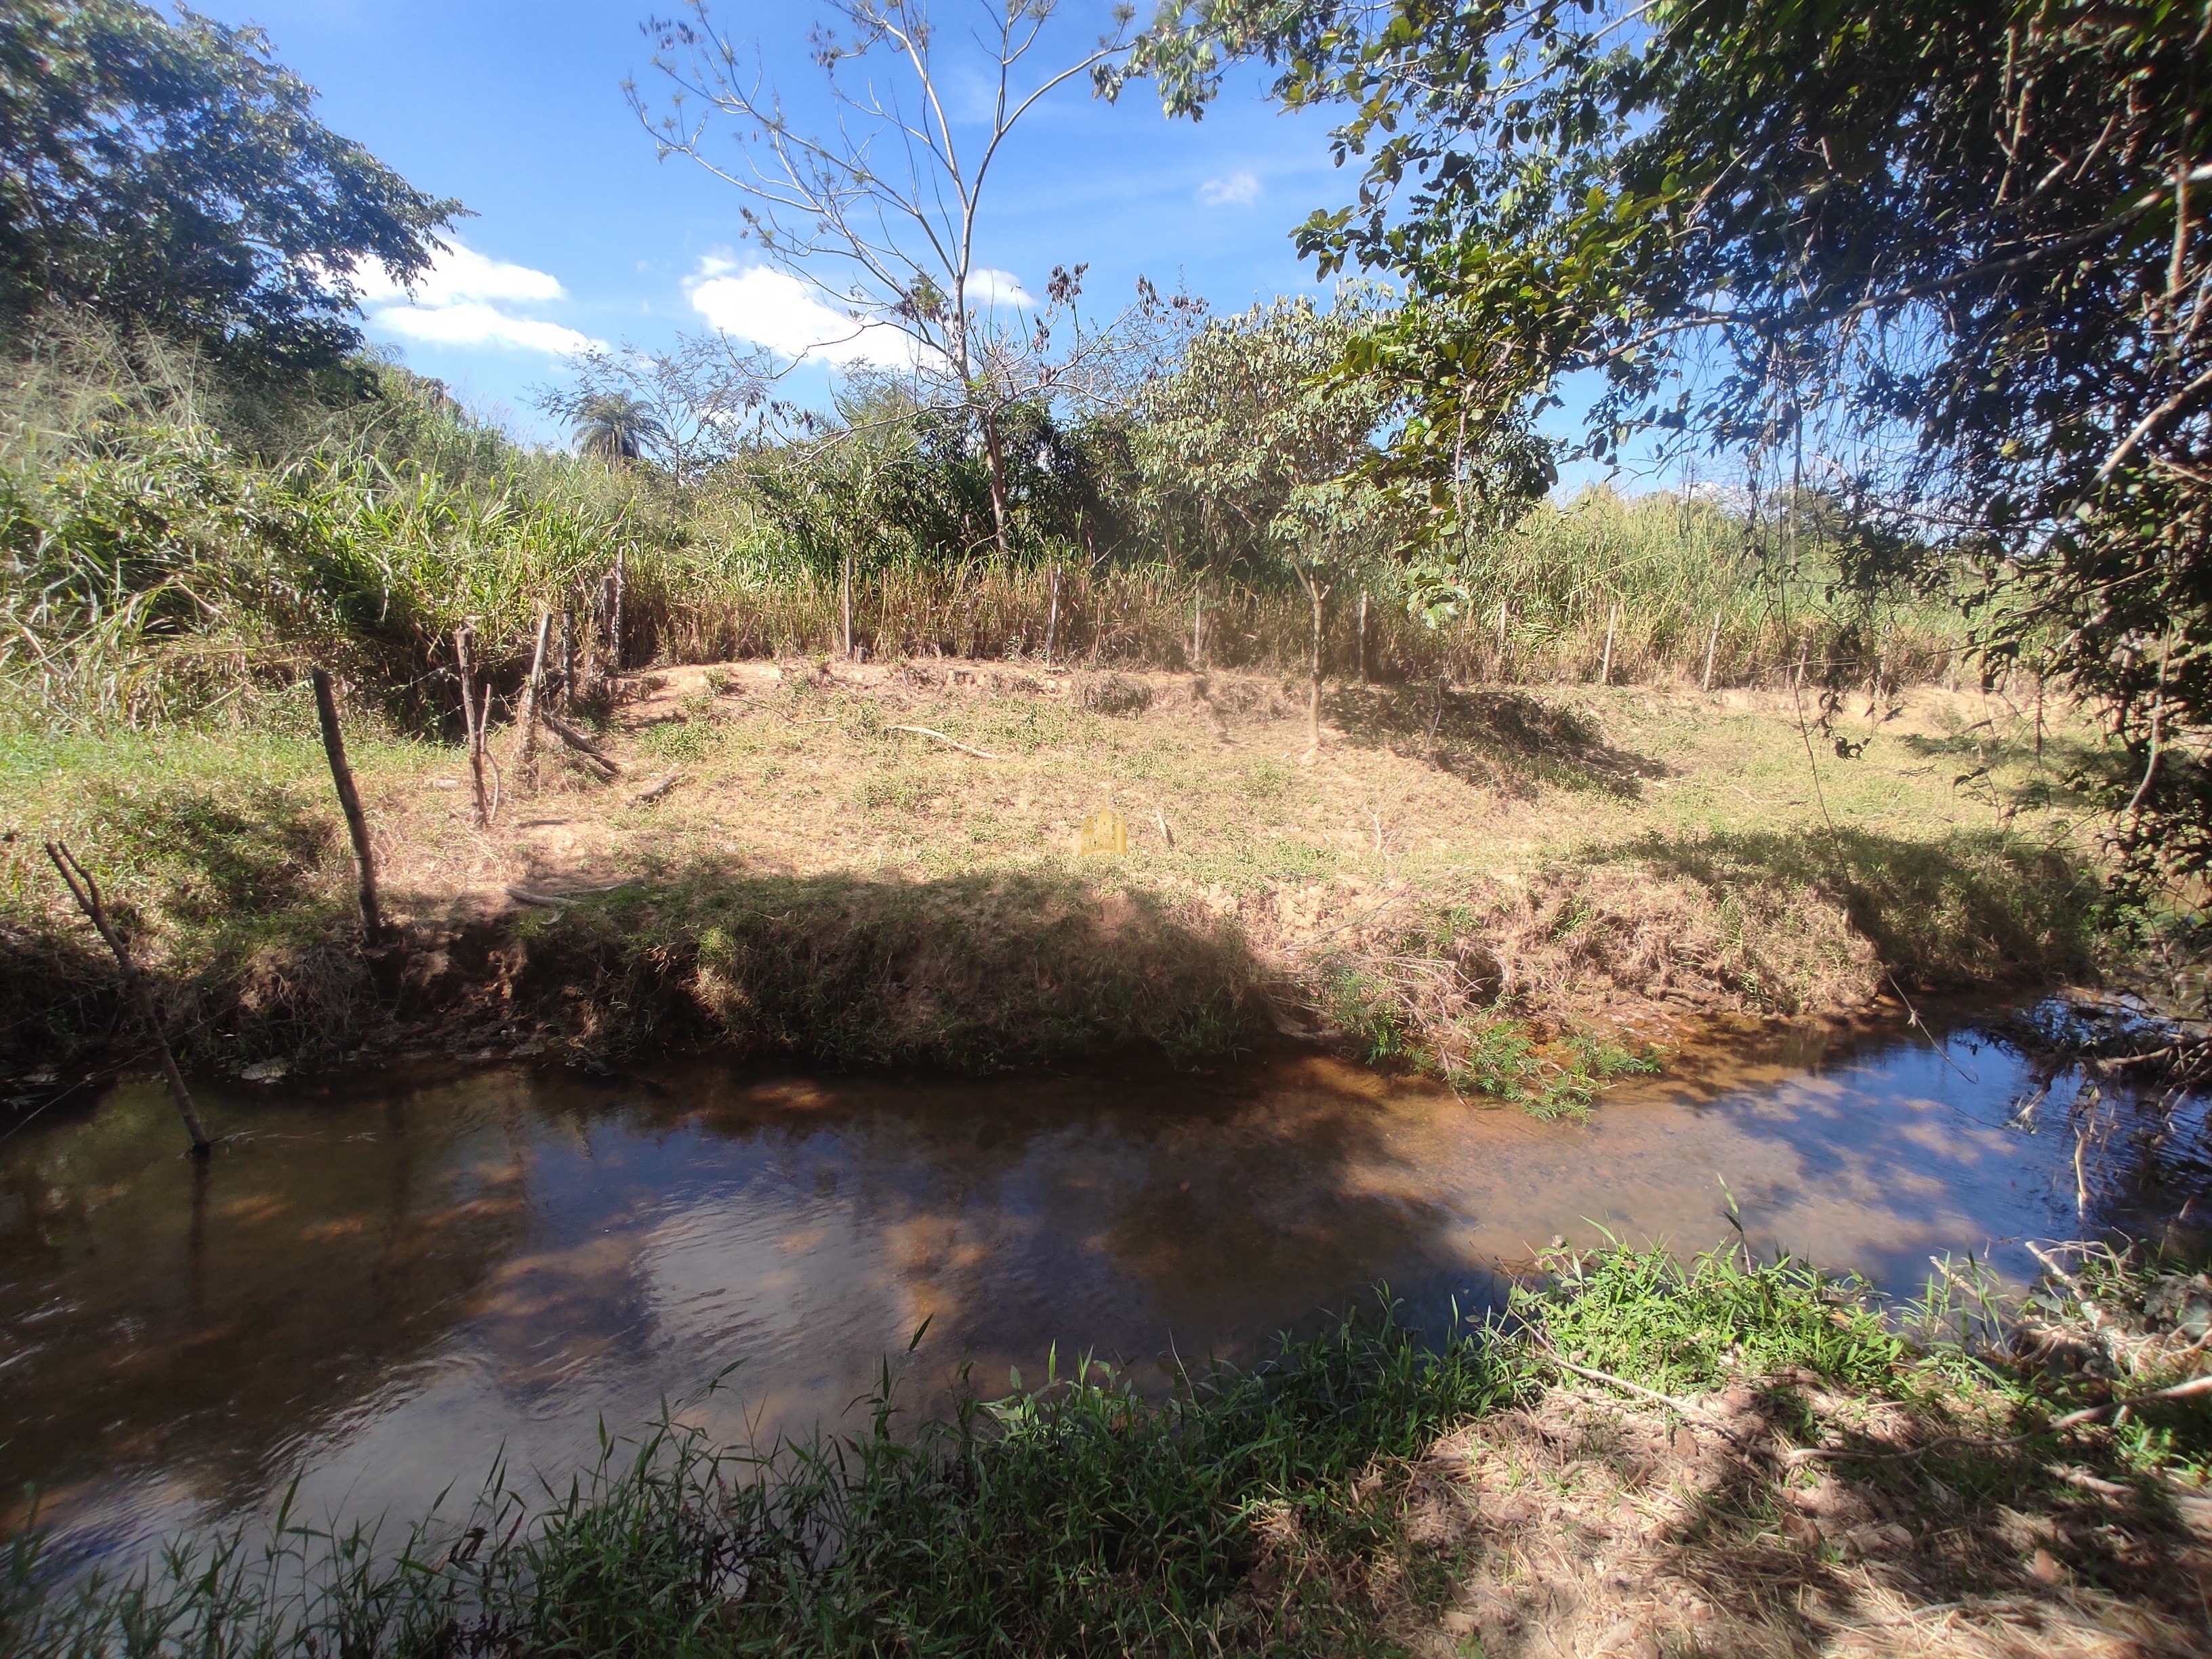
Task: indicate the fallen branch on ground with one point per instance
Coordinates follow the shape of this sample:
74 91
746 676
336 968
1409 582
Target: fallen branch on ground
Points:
594 757
965 749
654 791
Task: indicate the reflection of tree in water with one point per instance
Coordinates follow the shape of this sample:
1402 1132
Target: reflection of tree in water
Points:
1115 1216
164 1314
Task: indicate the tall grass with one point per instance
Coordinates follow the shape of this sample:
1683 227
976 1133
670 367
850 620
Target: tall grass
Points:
1259 1510
174 544
1080 1518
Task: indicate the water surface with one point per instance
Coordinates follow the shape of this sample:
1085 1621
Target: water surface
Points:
377 1285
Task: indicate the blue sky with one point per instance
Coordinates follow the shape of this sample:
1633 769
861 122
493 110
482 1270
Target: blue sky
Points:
580 233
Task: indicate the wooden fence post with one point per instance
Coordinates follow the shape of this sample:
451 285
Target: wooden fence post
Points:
1052 619
615 617
1712 642
86 891
533 693
364 855
1197 627
473 727
1605 665
1502 605
1363 636
845 586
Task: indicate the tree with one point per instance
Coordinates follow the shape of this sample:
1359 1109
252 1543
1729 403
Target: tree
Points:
1256 452
612 426
173 174
881 216
1950 256
686 411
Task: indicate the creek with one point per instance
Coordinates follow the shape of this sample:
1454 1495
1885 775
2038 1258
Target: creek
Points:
381 1283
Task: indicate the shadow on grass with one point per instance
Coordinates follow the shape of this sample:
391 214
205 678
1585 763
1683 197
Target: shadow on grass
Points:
972 972
1506 739
230 898
1975 907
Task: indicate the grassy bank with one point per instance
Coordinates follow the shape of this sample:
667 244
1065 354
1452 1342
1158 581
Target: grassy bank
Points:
1517 891
1728 1458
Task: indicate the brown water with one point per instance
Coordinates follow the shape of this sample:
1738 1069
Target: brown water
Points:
378 1285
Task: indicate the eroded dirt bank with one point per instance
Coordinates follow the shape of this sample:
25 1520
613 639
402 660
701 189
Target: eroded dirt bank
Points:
1518 890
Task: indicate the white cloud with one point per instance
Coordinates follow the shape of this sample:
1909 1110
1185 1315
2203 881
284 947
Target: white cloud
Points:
461 273
457 300
998 288
469 323
1238 190
776 309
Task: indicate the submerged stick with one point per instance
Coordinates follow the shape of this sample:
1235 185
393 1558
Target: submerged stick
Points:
86 891
364 855
965 749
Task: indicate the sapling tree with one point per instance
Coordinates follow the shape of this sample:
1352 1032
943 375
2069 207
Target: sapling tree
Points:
1258 451
880 212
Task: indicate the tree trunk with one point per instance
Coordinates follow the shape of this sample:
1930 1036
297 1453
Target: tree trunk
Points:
364 855
1317 593
994 454
533 693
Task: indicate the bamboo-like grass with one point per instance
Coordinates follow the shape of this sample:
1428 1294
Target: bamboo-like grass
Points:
151 571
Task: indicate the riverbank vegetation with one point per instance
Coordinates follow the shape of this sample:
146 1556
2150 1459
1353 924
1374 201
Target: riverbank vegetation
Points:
1520 892
1732 1456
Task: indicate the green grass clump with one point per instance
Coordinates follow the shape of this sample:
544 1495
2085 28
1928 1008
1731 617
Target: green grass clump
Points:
1077 1519
1643 1316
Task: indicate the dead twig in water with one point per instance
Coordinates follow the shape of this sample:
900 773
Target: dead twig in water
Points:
86 891
965 749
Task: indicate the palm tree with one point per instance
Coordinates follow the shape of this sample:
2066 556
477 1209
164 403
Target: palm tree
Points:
615 427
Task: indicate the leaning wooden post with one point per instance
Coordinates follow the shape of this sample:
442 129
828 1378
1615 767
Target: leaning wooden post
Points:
1052 619
1197 626
86 891
472 727
1363 636
1712 643
1503 613
845 600
364 855
533 693
1604 666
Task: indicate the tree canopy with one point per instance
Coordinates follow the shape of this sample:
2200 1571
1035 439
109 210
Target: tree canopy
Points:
1948 258
174 175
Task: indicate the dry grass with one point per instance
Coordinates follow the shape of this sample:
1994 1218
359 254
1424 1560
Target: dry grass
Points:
1601 1526
1504 885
